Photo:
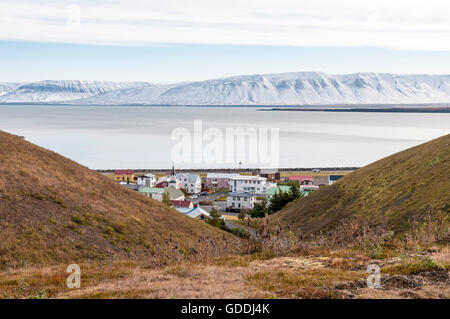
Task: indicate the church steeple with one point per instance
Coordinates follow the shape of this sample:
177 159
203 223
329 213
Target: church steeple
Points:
173 169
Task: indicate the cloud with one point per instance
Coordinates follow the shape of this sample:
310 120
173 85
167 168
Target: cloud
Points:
413 24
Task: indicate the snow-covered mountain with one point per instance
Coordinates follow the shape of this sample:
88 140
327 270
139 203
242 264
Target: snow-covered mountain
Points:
5 88
62 91
271 89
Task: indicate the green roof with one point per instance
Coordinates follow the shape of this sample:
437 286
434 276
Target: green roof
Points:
275 190
152 190
173 192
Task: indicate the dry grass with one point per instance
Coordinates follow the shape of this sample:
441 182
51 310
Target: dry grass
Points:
53 210
317 273
396 191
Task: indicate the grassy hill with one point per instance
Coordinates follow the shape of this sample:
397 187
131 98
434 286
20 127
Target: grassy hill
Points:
53 210
393 191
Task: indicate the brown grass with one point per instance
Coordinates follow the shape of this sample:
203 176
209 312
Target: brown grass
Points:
395 192
53 210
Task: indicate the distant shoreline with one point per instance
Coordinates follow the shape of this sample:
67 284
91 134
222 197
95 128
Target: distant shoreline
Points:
234 170
365 110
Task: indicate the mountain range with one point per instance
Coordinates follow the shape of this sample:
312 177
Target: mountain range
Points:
297 88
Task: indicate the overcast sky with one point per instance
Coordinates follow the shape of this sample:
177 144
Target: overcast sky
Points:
168 41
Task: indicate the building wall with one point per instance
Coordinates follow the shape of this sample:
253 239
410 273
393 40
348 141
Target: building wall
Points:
240 202
249 185
150 182
124 177
192 187
220 183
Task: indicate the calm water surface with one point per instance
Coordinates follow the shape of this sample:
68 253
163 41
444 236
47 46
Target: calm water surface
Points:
140 136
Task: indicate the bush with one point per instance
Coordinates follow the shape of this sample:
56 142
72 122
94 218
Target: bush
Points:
259 210
281 199
216 219
240 232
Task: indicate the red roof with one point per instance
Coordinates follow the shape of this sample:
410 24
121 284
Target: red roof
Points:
123 172
300 178
181 203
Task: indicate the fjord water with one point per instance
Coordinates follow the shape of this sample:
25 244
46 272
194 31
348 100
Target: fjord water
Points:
104 137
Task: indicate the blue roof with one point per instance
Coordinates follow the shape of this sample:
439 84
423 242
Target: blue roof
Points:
335 177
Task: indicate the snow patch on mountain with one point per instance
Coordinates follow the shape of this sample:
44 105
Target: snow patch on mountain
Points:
270 89
62 91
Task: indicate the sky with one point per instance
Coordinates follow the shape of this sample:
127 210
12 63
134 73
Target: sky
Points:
173 41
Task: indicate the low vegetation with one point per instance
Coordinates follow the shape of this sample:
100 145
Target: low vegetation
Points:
129 246
53 210
395 192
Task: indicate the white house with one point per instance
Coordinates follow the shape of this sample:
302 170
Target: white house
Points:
198 213
240 200
153 192
192 183
148 180
219 180
250 184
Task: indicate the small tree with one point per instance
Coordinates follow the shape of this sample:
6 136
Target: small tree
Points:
294 192
259 210
166 199
216 219
281 199
241 215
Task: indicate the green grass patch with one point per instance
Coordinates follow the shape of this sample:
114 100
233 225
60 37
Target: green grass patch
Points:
415 267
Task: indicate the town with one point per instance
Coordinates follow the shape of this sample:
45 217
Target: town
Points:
231 194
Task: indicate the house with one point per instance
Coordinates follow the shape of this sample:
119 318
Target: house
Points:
198 213
174 194
321 180
236 201
182 204
192 183
152 192
133 187
334 178
271 174
148 180
308 188
250 184
183 210
218 180
302 180
168 181
274 190
124 175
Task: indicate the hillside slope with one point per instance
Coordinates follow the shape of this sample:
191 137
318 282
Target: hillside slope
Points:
54 210
392 191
